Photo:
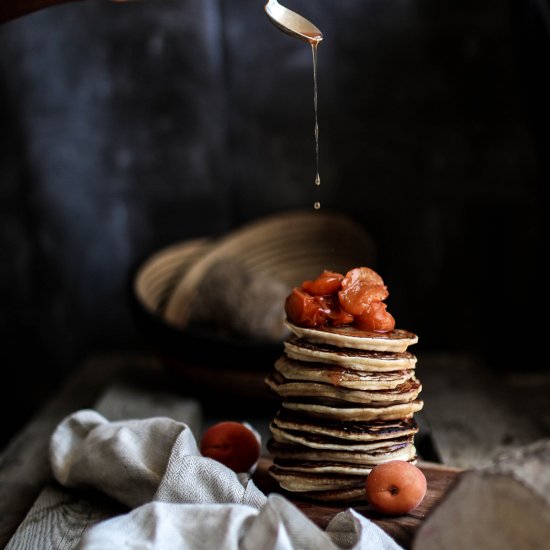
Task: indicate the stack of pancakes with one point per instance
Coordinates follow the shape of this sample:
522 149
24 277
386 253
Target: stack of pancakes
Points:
348 400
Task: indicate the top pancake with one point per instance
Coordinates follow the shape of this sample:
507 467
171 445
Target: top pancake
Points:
397 340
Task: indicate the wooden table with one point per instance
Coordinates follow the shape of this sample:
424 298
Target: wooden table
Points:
466 419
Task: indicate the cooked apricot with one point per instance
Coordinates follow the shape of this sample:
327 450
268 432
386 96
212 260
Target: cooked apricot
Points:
395 487
362 274
376 319
360 288
357 298
305 310
326 283
336 314
231 443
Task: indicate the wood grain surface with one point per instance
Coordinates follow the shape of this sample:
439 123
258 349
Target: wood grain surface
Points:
59 518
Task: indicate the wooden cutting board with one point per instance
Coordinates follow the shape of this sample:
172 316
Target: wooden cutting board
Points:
402 529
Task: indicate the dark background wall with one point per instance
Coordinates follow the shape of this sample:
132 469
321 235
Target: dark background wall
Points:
127 127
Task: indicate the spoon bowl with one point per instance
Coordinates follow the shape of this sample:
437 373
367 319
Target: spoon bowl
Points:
292 23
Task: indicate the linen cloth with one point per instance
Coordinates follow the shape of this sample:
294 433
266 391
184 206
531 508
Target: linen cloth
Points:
182 500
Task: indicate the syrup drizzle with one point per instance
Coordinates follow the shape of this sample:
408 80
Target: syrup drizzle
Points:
314 41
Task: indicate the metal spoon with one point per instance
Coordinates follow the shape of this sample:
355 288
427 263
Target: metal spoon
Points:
292 23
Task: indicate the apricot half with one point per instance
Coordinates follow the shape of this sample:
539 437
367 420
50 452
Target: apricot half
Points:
233 444
395 487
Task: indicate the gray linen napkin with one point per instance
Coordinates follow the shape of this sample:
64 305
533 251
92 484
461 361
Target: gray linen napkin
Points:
183 500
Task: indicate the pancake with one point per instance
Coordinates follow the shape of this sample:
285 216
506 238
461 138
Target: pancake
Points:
289 451
397 340
336 375
321 467
348 431
390 412
300 481
323 442
360 360
407 391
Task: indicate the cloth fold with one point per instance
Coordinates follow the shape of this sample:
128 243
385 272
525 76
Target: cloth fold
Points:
183 500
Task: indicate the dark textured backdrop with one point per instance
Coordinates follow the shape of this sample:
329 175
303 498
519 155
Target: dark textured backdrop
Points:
124 128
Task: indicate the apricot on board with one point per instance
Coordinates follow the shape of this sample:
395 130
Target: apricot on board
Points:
395 487
233 444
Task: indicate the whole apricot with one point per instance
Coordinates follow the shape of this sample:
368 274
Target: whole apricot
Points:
233 444
395 487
